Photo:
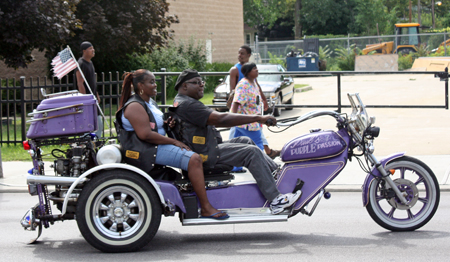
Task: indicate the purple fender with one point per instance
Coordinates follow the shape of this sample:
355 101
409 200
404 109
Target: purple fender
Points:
171 195
375 172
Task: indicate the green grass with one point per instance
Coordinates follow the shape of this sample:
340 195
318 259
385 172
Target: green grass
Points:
17 153
300 85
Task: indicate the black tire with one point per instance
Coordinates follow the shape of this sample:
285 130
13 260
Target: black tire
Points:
127 224
419 183
290 102
406 50
277 110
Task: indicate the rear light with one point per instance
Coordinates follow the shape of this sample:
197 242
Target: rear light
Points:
26 145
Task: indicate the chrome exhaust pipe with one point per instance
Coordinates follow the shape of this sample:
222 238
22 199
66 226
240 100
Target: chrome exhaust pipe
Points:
53 180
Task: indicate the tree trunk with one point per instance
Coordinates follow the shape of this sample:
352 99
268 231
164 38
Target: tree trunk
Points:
298 24
418 13
432 13
410 10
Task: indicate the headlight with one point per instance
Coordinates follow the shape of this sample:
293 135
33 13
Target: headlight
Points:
220 95
270 95
109 154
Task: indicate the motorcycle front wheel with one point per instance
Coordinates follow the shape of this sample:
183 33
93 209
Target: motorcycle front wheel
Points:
118 211
419 186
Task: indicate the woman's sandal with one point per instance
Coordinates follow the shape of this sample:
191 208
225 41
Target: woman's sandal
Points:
274 153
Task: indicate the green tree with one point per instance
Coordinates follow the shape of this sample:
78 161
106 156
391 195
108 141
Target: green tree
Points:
117 28
369 13
314 16
267 12
34 24
321 17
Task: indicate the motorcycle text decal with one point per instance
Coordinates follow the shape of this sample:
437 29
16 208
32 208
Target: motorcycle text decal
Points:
315 144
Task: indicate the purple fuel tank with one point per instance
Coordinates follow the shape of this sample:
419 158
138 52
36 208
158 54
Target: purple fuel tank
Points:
316 145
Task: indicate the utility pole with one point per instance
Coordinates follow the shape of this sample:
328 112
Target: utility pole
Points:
298 25
432 13
410 11
418 13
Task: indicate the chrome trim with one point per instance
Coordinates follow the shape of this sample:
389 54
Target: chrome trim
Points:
58 94
53 180
111 166
238 216
53 109
312 115
78 111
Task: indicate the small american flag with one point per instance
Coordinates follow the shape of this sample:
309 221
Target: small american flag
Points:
63 63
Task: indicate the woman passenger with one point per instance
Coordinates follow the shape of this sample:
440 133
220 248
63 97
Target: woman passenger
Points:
170 152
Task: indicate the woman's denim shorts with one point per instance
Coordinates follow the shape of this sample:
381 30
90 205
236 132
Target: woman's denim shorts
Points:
170 155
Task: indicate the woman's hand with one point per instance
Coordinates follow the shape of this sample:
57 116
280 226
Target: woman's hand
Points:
171 122
181 145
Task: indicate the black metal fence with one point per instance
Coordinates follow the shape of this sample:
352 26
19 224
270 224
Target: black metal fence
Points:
18 98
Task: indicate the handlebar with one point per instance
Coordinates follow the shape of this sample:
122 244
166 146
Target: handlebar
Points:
312 115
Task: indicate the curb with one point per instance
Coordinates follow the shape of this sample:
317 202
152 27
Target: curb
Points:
302 89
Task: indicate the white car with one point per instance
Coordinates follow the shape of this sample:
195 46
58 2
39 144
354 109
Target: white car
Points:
273 86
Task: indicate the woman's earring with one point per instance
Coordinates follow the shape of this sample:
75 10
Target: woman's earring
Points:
141 92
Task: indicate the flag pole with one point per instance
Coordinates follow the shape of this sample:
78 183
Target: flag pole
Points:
90 90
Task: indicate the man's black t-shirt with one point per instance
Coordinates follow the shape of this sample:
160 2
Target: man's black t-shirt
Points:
200 137
193 111
89 73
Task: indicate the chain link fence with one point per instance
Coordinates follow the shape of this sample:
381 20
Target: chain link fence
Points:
429 42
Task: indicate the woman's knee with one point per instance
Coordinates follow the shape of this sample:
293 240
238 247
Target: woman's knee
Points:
196 161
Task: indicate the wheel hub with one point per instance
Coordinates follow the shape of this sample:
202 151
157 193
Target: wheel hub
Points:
409 191
118 212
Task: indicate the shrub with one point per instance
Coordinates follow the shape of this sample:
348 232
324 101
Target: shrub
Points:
274 59
212 81
346 57
405 61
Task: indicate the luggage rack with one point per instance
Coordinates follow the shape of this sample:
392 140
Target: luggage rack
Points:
71 92
44 112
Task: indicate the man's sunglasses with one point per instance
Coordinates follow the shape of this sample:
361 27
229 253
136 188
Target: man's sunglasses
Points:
197 82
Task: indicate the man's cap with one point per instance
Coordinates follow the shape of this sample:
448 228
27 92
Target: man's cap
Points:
85 45
185 76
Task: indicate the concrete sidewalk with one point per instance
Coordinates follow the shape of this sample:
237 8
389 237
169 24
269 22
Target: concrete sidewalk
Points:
422 133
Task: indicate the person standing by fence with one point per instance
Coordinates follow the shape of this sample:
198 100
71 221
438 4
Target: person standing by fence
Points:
87 66
236 75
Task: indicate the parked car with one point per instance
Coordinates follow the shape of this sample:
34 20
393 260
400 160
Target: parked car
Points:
273 86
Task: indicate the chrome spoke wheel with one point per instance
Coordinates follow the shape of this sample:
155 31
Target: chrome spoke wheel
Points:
419 187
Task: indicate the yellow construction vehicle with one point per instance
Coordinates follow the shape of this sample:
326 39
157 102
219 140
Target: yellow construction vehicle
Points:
406 41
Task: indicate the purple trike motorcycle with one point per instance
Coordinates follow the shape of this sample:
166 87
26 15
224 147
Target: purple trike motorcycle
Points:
118 207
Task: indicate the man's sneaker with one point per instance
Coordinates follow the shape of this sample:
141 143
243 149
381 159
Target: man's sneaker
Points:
282 202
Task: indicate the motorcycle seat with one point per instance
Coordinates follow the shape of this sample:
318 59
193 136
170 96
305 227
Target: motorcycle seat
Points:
218 173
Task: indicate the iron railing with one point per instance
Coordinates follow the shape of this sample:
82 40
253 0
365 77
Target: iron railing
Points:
20 98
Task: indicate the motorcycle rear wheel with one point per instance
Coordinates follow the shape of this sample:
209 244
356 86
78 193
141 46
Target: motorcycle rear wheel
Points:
118 211
419 184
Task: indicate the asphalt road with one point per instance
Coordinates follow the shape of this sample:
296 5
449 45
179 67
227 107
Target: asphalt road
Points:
339 230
